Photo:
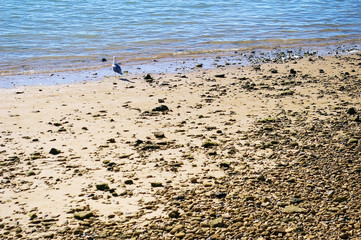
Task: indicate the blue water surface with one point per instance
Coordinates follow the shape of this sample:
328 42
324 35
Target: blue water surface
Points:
71 34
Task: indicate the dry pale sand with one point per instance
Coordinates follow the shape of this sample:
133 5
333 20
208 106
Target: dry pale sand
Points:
108 159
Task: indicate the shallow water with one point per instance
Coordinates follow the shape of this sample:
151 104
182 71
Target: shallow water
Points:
52 35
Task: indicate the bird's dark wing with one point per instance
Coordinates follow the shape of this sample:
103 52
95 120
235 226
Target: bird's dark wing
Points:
117 69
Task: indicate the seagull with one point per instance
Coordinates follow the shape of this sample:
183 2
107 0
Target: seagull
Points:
116 67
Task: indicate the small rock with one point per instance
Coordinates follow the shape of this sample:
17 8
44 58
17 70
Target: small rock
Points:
207 184
156 184
79 230
209 144
352 141
176 229
293 209
180 197
292 71
261 178
159 134
340 199
351 111
218 222
54 151
128 182
138 142
345 235
279 231
62 129
161 108
30 173
180 235
220 194
48 235
194 180
220 75
273 70
267 120
102 186
32 215
174 214
256 67
287 92
290 229
224 165
148 78
83 215
104 59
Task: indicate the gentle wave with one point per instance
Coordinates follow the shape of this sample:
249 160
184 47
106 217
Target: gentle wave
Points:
49 35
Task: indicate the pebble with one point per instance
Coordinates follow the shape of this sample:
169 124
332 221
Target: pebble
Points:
293 209
54 151
218 222
156 184
102 186
159 134
83 215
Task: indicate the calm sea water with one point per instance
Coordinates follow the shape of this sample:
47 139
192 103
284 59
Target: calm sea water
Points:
51 35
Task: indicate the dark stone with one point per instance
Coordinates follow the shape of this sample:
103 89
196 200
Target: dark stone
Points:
273 70
220 75
220 194
224 165
340 199
104 59
156 184
161 108
138 142
292 71
181 197
351 111
322 71
62 129
32 215
54 151
128 182
212 153
148 77
345 235
174 214
150 147
261 178
209 144
102 186
256 67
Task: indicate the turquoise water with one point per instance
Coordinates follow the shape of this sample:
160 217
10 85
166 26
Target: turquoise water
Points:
50 35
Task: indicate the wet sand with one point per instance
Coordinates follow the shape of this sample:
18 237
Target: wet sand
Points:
269 151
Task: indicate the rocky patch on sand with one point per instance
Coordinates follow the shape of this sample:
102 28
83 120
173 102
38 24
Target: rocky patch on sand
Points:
266 152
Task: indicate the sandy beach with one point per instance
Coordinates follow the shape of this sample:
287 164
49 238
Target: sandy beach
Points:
269 151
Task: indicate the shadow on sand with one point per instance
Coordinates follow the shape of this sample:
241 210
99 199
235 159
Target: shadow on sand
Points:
125 80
